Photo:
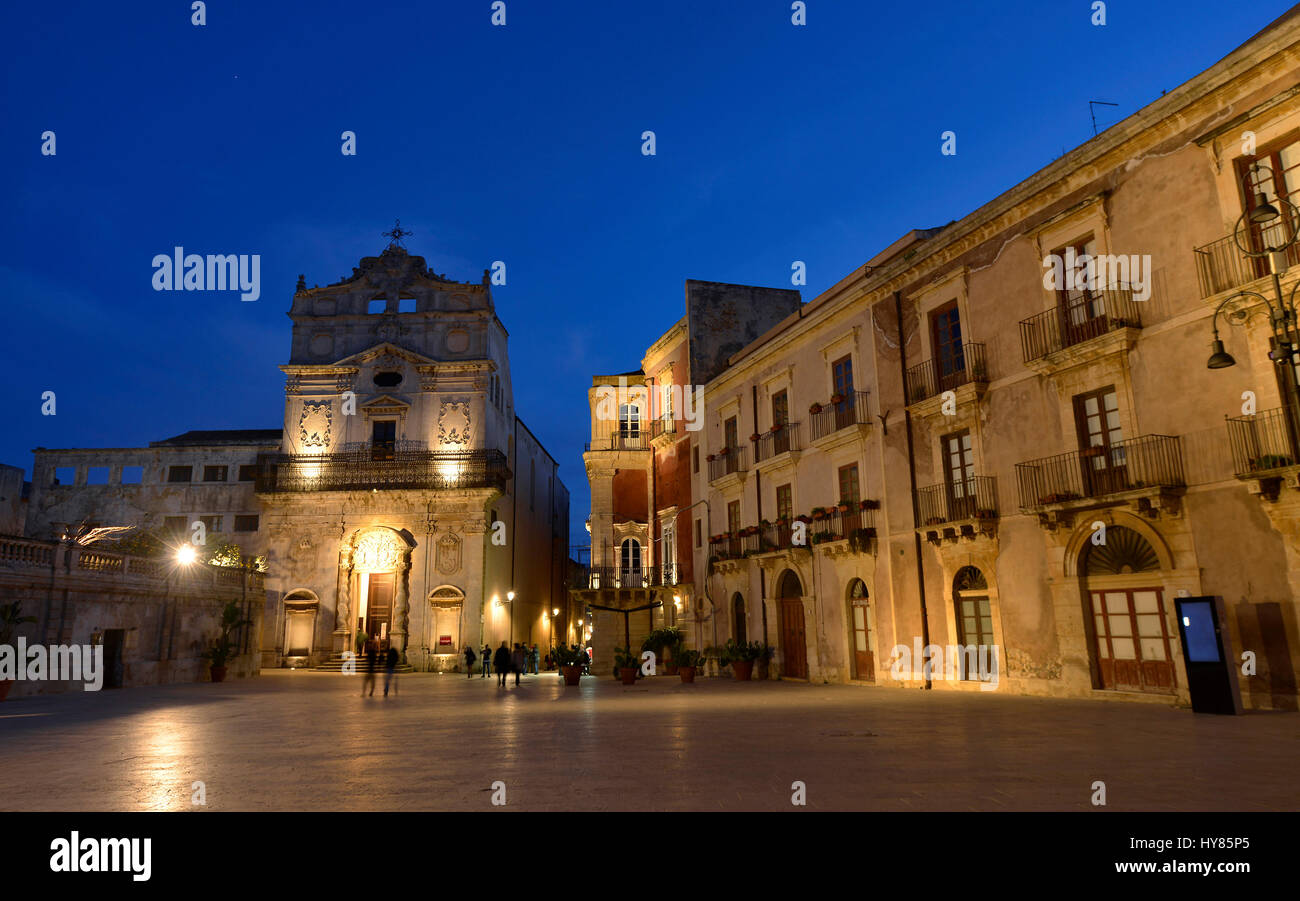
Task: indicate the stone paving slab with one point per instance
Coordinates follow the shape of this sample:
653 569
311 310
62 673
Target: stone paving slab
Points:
307 741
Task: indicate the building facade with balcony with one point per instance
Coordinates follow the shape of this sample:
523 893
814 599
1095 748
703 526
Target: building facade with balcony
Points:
403 498
981 452
648 523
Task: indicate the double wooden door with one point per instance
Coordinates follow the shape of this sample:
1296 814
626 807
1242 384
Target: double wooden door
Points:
794 643
1133 642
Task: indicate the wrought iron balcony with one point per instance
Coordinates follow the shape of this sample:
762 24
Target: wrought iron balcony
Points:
780 440
727 463
1091 317
360 468
1149 461
972 498
594 578
1263 444
836 524
620 441
1221 266
852 410
927 379
663 428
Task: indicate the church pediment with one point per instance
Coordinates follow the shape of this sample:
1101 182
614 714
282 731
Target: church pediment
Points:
385 402
386 354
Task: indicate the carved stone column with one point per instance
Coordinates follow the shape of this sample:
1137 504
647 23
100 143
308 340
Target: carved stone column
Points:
402 604
343 629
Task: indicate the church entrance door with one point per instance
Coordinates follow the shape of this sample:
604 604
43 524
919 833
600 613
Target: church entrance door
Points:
379 606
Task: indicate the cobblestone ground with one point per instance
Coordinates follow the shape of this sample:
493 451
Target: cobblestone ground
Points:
308 741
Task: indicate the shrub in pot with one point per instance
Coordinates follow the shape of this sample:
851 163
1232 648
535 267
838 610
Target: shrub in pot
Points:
223 646
626 665
687 660
742 658
661 640
570 661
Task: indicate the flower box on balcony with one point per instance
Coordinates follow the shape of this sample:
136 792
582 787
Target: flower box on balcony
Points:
818 512
820 537
803 518
1270 461
843 506
815 409
837 398
870 505
755 437
778 427
710 458
724 452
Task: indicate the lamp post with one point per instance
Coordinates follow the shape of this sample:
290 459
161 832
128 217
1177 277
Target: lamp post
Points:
510 614
1283 221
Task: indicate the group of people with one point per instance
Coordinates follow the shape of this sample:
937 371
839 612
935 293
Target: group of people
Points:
505 660
391 658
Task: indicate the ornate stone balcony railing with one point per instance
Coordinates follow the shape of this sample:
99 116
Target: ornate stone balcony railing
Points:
360 470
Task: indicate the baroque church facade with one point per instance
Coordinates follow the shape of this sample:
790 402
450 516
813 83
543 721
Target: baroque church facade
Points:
403 499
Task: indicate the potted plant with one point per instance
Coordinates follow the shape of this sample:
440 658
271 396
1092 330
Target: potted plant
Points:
710 457
754 437
837 398
223 647
10 620
843 506
815 409
661 640
626 664
687 661
742 657
818 512
569 660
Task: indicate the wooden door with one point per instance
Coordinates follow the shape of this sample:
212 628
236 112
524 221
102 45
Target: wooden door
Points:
1132 640
864 662
794 647
379 605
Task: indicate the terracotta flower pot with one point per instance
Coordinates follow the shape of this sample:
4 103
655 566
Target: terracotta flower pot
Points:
687 673
218 674
743 670
5 685
572 674
627 674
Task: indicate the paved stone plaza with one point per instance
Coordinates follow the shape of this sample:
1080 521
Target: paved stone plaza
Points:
307 741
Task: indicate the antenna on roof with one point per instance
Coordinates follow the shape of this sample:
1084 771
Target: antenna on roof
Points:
1092 111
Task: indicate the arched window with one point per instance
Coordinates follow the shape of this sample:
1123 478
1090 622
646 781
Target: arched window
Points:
630 558
738 616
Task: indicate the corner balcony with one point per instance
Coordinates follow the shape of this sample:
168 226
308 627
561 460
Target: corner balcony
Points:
964 509
1222 267
838 422
966 376
778 447
1105 322
386 466
1265 451
596 578
728 468
1145 473
665 431
619 441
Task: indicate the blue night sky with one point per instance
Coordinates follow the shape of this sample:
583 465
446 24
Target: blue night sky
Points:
775 143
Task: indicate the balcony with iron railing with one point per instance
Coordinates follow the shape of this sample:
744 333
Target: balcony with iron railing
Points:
781 439
856 523
1223 266
1149 464
629 440
666 428
1100 313
595 578
381 467
963 508
1265 444
832 419
732 461
931 378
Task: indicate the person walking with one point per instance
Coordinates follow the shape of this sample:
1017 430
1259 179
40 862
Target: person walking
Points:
469 662
487 661
518 662
390 670
372 652
501 660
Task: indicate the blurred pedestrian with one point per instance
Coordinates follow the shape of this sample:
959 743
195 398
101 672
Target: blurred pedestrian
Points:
518 661
536 660
501 660
487 661
371 650
469 662
390 669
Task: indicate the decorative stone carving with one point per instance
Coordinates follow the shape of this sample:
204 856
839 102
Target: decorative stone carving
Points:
314 425
454 423
377 552
389 328
448 554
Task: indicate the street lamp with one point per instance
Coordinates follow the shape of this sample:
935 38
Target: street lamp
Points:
1282 221
510 598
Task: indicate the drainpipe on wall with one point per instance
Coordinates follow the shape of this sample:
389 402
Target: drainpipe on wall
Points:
911 481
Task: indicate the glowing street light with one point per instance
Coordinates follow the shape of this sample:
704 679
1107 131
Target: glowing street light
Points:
185 555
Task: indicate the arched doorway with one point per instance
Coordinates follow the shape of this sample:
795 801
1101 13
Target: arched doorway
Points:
1131 640
794 643
300 607
861 630
738 619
